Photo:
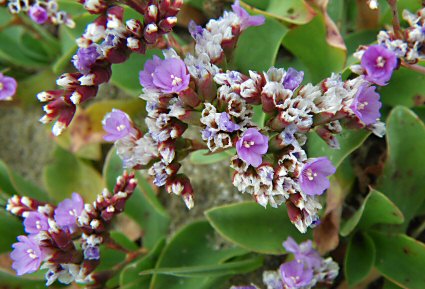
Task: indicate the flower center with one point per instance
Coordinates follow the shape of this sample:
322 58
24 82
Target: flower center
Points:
1 86
175 80
310 174
31 253
295 278
362 105
248 144
380 61
38 225
73 212
121 127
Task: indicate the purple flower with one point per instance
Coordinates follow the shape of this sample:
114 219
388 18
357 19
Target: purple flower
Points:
246 19
38 14
366 104
117 124
36 222
8 87
92 253
85 58
313 179
295 275
67 212
145 76
379 63
171 76
303 252
195 30
288 134
226 124
26 255
252 146
293 79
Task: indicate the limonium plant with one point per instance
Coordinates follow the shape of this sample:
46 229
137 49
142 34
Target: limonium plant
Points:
286 135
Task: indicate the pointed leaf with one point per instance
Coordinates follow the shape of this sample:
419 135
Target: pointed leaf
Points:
252 227
376 209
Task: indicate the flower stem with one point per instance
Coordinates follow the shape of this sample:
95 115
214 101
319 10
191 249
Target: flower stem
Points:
414 67
396 21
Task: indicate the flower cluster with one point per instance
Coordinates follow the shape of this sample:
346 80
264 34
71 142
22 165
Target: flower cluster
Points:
379 61
106 41
41 11
8 87
271 164
66 239
306 270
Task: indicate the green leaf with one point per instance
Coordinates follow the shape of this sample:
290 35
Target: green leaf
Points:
10 228
400 259
10 280
67 174
266 39
349 141
205 271
376 209
29 87
254 228
291 11
403 175
308 43
359 259
204 157
123 241
404 87
194 245
143 207
130 277
126 75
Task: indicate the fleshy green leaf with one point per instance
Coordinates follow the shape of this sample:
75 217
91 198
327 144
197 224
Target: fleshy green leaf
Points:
403 175
10 280
376 209
359 259
404 87
349 141
67 174
400 259
266 39
143 207
122 240
126 75
29 87
252 227
205 271
194 245
10 228
202 157
130 277
308 43
291 11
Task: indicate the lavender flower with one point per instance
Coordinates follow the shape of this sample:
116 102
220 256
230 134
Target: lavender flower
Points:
366 104
226 124
313 179
92 253
36 222
26 255
117 124
245 19
379 63
171 76
303 252
252 146
8 87
38 14
145 76
293 79
295 275
68 211
85 58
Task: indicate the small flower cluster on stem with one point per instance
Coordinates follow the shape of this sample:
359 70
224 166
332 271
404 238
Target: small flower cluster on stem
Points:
106 41
65 239
41 11
271 164
395 47
306 270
